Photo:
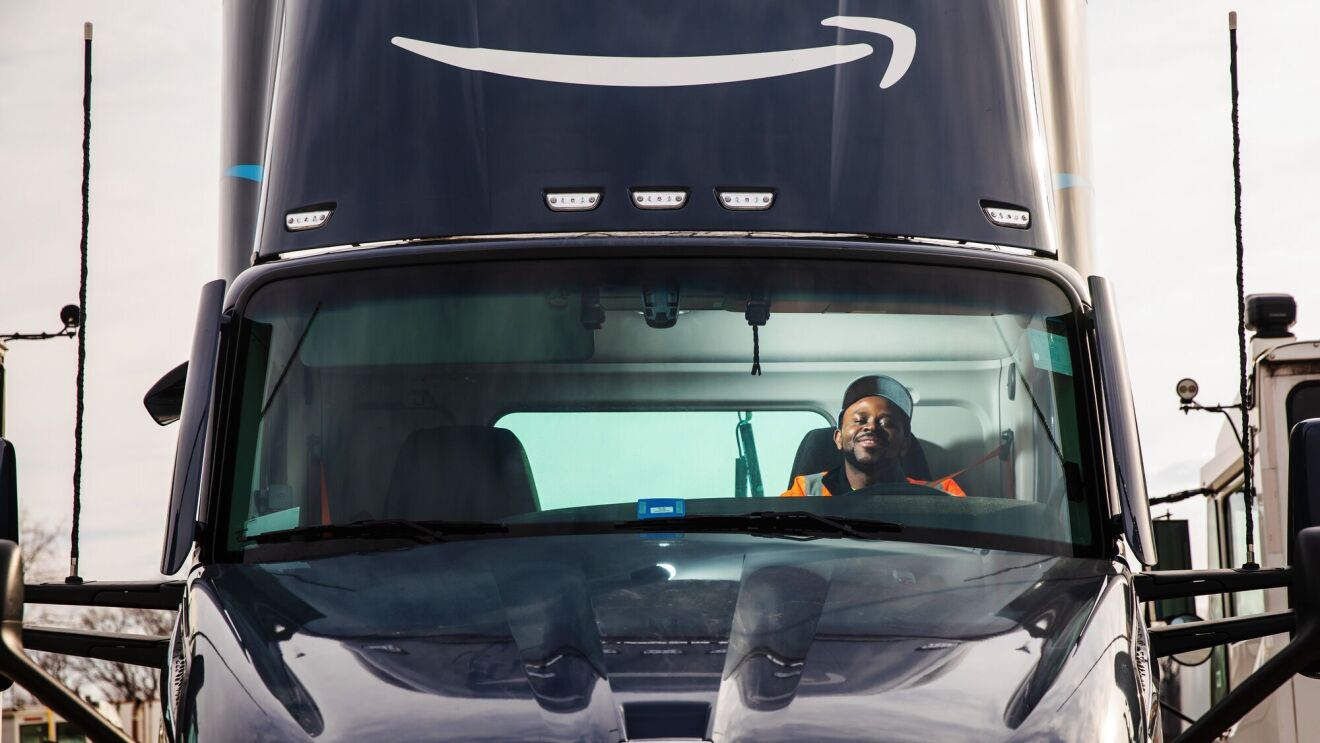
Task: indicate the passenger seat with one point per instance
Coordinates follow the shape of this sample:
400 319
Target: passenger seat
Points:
460 473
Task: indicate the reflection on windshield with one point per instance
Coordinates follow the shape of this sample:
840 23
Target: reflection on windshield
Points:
567 392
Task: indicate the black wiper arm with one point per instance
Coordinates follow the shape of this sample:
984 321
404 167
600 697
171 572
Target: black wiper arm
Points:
426 531
804 524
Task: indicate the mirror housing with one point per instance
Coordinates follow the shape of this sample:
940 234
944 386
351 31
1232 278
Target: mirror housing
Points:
1302 655
164 401
8 492
1128 471
194 419
1303 480
1303 497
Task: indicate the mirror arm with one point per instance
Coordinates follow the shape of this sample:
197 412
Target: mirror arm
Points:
151 651
166 595
1175 584
1244 697
1180 638
16 665
1295 657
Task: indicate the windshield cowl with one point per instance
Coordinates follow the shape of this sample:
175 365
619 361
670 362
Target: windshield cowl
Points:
791 524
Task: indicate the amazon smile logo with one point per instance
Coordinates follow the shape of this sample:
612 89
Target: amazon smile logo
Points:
665 72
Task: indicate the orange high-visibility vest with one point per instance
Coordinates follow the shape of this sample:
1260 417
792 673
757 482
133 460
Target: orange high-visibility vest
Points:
806 485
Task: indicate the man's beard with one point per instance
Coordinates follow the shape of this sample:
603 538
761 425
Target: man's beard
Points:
881 469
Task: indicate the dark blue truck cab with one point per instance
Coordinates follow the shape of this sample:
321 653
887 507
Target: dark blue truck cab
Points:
533 310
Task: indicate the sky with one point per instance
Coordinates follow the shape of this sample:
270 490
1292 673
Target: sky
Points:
1162 149
152 244
1161 174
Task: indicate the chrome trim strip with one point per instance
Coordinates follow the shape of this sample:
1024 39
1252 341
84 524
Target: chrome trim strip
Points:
717 234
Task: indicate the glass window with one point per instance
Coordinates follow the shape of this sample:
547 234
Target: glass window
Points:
1303 403
1216 604
1244 602
586 458
33 733
549 394
1173 543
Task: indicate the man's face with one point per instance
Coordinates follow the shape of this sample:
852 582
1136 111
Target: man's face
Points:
873 430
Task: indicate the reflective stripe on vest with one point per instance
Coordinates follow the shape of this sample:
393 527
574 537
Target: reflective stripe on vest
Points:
813 484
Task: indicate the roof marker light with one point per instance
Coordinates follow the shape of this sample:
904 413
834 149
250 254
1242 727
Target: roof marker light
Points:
1006 215
308 217
746 201
572 201
646 199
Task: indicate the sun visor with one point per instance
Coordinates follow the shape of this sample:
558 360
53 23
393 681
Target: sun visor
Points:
400 119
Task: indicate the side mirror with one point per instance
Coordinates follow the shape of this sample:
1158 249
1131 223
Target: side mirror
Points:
8 516
1303 479
194 417
1303 499
8 492
1302 655
1129 472
164 401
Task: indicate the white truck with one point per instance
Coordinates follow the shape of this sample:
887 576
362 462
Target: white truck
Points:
1283 391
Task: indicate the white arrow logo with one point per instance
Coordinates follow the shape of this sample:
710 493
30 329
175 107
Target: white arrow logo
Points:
663 72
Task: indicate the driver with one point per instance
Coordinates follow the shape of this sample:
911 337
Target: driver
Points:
873 435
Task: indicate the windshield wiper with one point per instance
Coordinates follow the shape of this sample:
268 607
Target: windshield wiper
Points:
425 531
789 524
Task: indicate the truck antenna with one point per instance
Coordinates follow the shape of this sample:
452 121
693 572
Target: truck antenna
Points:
1248 487
82 302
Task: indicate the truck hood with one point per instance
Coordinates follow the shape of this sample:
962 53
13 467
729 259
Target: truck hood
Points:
728 637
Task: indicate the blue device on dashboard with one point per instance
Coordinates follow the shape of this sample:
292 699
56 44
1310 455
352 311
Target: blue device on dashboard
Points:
660 508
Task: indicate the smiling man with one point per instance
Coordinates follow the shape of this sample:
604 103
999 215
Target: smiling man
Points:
873 435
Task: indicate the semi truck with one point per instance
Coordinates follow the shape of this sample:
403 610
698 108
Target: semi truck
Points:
529 312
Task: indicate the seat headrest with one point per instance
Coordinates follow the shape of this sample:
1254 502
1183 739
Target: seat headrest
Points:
461 473
817 453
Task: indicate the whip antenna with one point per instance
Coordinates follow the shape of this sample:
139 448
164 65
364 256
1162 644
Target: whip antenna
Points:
82 302
1248 487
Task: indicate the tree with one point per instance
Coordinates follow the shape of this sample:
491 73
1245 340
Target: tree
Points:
41 542
120 682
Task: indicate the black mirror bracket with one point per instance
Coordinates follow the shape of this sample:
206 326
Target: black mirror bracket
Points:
1296 657
163 595
16 665
1158 585
1181 638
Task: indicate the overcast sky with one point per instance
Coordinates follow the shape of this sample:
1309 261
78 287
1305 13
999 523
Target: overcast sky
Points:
1162 176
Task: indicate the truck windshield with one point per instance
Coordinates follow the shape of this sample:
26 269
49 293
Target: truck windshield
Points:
570 396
